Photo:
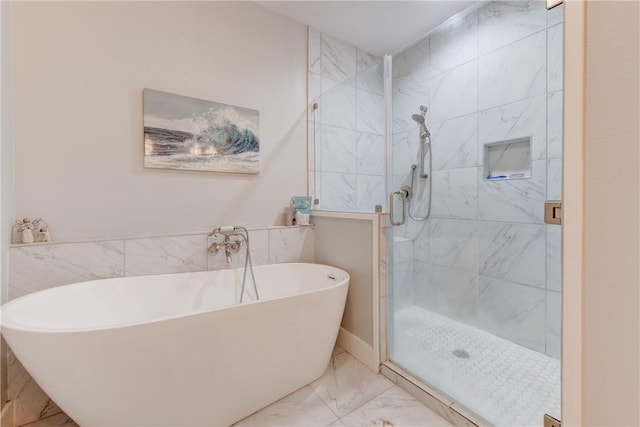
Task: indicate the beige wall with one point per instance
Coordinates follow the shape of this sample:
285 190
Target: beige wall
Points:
6 168
348 244
611 307
78 73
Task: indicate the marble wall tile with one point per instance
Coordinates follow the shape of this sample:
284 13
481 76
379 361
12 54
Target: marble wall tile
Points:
311 156
515 200
453 293
454 43
404 152
31 403
313 50
418 205
402 250
259 243
302 407
554 257
337 105
453 243
34 268
370 73
411 65
504 22
554 123
370 112
455 143
527 118
348 384
455 193
295 244
422 242
336 191
555 15
407 101
385 237
326 84
364 60
411 227
554 179
554 58
554 324
314 90
370 191
423 289
160 255
512 252
514 72
336 150
512 311
370 149
394 407
338 58
454 93
402 288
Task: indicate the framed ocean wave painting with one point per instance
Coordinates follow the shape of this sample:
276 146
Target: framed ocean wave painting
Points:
194 134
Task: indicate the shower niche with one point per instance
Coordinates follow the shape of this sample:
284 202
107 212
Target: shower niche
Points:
509 159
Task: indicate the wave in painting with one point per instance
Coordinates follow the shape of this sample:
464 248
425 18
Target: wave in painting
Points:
223 139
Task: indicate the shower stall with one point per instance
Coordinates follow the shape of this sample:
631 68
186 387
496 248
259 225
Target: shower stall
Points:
458 137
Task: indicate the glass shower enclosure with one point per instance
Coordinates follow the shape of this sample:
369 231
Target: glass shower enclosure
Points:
459 138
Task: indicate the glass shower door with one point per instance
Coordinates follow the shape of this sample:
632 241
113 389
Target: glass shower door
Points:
474 296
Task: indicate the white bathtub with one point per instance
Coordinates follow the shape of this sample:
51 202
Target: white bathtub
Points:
176 349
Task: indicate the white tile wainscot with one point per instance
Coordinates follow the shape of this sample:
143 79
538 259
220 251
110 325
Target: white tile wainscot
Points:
41 266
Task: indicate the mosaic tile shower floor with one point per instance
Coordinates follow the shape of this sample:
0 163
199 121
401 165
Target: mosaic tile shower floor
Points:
507 384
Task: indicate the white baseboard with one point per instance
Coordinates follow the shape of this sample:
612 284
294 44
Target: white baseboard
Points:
6 416
359 349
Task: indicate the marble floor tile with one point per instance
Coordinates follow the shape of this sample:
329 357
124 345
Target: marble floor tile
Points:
394 407
59 420
337 350
347 384
300 408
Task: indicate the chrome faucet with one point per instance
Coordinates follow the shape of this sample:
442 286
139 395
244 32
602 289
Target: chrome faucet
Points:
234 237
231 246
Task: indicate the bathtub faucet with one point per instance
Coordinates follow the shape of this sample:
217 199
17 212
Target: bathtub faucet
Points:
230 242
233 238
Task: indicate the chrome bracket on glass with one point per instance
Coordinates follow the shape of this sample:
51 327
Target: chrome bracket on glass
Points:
403 196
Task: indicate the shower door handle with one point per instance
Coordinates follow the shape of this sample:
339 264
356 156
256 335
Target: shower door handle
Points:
403 197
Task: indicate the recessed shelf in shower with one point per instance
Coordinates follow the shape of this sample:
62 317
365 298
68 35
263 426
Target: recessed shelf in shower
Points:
509 159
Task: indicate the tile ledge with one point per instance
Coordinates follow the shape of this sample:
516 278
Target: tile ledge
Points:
147 236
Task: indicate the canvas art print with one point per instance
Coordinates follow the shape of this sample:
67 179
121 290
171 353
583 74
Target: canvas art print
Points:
194 134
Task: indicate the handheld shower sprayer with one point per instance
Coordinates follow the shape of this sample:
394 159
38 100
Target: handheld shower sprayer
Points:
425 139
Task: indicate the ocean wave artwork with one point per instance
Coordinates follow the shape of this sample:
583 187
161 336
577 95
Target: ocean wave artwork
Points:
194 134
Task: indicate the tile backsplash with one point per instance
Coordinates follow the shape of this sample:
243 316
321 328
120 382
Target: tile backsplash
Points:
41 266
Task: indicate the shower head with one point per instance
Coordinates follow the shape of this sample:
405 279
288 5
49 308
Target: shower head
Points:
419 118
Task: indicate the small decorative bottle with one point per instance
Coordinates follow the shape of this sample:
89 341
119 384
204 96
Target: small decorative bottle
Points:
288 216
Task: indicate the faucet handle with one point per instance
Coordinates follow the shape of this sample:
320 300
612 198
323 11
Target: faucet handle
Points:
214 248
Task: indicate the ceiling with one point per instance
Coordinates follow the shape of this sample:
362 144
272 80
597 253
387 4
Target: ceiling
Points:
377 27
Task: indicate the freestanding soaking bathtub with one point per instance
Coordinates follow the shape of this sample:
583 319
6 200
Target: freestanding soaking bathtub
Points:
177 349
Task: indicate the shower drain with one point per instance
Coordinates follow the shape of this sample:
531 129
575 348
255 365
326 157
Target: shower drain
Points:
463 354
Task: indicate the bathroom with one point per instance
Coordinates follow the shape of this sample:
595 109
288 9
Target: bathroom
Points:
110 216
